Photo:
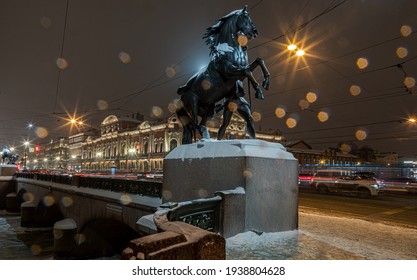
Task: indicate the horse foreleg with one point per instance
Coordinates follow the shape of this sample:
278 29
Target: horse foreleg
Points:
261 63
258 91
238 72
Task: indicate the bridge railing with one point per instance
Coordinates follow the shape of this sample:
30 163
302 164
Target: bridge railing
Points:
202 213
145 188
139 187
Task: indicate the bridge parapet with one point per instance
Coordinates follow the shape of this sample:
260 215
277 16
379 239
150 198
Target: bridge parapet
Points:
140 187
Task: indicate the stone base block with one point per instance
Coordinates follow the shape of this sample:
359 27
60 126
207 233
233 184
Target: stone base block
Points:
12 203
266 172
64 238
27 212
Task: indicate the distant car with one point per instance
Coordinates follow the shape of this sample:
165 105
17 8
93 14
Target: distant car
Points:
335 181
365 174
400 184
155 176
304 178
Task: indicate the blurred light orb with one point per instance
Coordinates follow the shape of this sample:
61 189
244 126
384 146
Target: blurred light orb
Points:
409 82
48 200
58 233
323 116
125 199
311 97
232 106
80 238
361 134
345 148
167 195
172 108
206 84
157 112
36 249
292 47
406 30
291 122
247 173
102 104
46 22
67 201
28 196
402 52
362 63
41 132
178 103
202 193
242 40
62 63
170 72
303 104
280 112
355 90
125 57
256 116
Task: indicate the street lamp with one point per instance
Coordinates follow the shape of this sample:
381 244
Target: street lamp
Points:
26 144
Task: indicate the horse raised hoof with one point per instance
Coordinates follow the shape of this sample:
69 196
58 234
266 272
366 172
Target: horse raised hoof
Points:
259 94
265 84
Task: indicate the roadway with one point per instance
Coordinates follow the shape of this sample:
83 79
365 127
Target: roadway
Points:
391 209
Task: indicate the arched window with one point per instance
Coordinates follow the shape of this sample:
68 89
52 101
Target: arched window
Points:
156 147
173 144
115 151
161 147
145 147
122 150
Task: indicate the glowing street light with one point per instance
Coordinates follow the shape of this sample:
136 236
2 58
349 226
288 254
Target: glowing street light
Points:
292 47
26 144
300 53
297 50
412 120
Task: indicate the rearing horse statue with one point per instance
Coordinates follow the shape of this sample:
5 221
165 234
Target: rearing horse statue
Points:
228 66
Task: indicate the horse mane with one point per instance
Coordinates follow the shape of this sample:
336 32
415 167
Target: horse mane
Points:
221 29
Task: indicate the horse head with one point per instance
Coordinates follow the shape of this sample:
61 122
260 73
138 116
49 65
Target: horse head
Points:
232 29
245 26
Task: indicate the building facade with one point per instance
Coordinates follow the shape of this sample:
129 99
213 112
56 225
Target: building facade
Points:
132 144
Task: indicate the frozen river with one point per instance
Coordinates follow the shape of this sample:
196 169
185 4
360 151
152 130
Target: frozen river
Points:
17 243
320 237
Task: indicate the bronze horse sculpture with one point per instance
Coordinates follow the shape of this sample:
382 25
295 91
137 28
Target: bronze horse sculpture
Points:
7 156
228 67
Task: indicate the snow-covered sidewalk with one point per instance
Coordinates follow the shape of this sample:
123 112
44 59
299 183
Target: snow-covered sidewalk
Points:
322 237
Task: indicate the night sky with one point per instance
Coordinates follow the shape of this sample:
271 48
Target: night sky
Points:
355 85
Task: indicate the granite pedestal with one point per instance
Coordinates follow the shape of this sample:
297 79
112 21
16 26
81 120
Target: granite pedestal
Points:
266 172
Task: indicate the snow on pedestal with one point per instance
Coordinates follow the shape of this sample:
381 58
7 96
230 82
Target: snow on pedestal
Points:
265 170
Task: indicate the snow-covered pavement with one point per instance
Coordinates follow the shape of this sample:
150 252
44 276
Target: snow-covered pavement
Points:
322 237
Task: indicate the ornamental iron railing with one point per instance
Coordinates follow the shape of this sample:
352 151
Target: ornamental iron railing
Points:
202 213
